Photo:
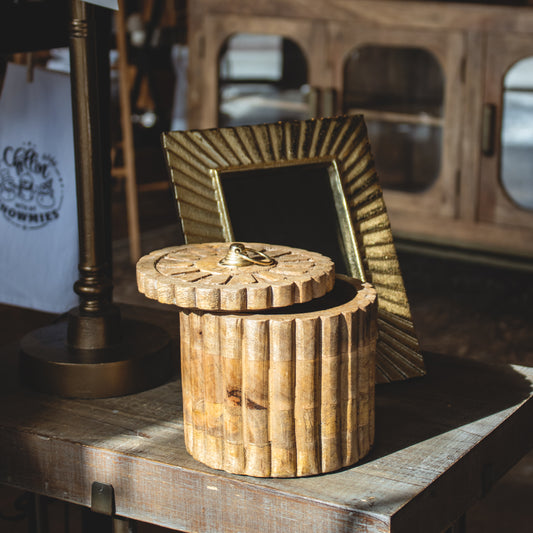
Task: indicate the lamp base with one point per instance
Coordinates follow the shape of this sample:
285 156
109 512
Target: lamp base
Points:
140 360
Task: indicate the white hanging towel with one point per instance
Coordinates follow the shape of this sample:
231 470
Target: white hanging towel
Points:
38 218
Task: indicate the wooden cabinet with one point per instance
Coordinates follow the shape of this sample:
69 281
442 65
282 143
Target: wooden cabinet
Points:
430 78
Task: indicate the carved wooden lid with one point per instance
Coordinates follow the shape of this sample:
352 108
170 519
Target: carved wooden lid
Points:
236 277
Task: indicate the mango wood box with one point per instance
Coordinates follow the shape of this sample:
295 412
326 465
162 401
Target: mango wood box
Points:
277 356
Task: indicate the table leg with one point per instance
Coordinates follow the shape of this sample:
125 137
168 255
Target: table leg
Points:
38 515
459 526
95 522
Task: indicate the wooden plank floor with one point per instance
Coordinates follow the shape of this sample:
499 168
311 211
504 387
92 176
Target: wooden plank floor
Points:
441 441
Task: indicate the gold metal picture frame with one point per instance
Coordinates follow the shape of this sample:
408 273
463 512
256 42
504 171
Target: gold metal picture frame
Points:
335 151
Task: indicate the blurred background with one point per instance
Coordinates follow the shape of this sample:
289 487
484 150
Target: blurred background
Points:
450 120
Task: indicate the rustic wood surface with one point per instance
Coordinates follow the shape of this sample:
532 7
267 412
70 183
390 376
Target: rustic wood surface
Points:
282 395
470 131
417 14
480 236
191 277
440 442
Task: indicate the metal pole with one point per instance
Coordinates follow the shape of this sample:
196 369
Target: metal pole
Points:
96 324
94 353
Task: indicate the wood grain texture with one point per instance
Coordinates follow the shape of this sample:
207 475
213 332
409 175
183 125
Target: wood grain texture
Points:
447 50
282 395
391 14
211 23
191 277
341 141
431 435
478 237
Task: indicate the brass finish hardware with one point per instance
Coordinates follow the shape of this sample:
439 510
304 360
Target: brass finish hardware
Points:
141 360
488 130
238 256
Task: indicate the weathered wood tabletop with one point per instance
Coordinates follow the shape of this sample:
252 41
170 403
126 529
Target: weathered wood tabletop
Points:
441 441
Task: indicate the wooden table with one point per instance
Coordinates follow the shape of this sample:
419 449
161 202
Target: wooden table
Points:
441 442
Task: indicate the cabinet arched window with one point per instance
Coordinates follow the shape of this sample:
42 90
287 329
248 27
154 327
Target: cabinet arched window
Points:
400 91
262 78
516 163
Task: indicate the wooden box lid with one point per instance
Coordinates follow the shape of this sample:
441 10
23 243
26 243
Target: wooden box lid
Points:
234 277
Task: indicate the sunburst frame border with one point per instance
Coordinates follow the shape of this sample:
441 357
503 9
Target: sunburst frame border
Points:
196 159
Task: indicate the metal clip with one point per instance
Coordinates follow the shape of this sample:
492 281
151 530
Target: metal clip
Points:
238 256
102 498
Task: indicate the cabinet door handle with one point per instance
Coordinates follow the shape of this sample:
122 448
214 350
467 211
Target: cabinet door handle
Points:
488 130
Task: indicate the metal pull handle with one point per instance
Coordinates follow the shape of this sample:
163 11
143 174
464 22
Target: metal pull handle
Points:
488 130
238 256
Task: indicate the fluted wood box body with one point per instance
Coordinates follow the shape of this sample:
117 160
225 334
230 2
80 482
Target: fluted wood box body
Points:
281 392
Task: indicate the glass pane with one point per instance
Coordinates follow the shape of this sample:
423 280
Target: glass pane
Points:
400 91
517 133
262 78
405 154
248 56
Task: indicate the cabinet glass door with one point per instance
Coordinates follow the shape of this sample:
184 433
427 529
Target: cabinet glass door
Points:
262 78
407 84
506 173
516 168
400 91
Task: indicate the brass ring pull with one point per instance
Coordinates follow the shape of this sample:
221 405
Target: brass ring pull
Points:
238 256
